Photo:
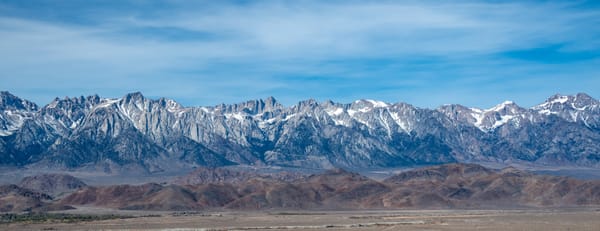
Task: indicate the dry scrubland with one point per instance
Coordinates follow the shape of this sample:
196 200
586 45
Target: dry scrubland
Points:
580 219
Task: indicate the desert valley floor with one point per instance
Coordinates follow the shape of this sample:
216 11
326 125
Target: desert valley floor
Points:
544 220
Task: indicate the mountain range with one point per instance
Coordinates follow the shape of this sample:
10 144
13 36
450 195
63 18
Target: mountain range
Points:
448 186
135 133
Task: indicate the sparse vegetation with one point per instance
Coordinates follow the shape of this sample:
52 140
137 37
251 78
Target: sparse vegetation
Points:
296 213
195 213
56 217
363 220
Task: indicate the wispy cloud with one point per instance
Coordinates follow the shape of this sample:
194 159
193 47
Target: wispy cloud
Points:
426 53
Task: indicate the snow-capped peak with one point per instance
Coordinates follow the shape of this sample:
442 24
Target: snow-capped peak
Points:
492 118
108 102
560 99
9 101
376 103
556 99
334 111
53 104
366 105
497 108
501 106
173 106
577 108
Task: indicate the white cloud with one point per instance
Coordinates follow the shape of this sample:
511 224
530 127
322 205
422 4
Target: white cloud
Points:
251 46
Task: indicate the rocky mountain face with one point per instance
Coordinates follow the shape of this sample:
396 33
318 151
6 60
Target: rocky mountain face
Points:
439 187
135 133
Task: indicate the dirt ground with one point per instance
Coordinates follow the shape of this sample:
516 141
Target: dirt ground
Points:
543 220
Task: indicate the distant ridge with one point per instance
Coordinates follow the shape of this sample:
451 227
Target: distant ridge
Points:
438 187
52 184
137 134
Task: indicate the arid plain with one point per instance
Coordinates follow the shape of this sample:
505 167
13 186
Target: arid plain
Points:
562 219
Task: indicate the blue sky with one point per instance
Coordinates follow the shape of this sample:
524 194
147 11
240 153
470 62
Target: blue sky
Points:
427 53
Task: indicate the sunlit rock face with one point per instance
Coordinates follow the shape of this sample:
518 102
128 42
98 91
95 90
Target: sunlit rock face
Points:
138 133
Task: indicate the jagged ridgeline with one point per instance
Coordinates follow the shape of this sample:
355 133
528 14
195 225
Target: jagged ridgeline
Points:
138 133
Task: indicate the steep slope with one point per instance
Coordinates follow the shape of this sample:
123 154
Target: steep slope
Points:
21 140
13 112
137 134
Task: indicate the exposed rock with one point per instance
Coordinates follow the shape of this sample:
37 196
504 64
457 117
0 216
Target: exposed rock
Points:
134 133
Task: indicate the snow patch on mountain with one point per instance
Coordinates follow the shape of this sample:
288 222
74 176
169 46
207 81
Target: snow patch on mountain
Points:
335 111
108 102
376 103
237 116
400 121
